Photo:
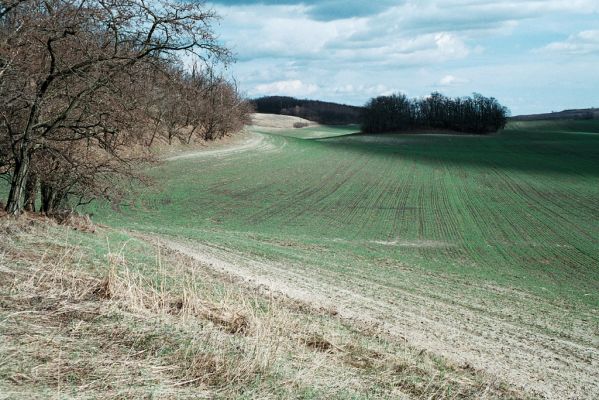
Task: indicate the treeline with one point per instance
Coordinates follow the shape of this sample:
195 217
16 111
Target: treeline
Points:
314 110
476 114
87 87
578 114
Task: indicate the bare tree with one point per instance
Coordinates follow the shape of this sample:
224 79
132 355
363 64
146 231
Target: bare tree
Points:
68 73
194 104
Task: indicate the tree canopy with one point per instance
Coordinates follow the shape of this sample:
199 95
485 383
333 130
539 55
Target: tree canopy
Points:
475 114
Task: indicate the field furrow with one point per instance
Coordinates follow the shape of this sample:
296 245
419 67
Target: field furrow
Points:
482 250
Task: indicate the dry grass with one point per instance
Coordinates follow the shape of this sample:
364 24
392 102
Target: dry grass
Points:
177 330
280 121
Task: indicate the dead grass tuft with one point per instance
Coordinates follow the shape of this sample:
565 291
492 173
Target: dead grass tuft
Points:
51 310
360 357
76 221
232 322
318 343
28 221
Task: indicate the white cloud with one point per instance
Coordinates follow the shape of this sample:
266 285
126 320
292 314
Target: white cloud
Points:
418 50
379 90
288 88
364 90
450 80
288 32
281 31
414 45
450 45
585 42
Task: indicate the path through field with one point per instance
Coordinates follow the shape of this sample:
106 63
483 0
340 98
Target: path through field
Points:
541 363
484 250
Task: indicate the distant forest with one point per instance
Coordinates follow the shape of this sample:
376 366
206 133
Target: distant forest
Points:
319 111
476 114
586 113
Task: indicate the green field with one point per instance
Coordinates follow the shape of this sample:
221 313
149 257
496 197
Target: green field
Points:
491 242
517 209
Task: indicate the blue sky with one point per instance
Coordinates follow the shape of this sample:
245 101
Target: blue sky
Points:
533 55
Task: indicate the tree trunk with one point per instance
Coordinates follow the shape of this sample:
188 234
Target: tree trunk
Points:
191 134
48 198
153 134
18 183
31 193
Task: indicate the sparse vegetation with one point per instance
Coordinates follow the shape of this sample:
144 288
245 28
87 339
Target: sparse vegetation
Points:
450 241
99 317
192 302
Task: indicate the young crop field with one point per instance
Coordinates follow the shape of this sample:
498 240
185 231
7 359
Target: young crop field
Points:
480 249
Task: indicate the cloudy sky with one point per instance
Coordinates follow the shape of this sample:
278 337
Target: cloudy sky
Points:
533 55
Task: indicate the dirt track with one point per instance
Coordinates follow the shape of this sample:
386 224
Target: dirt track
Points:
542 364
249 142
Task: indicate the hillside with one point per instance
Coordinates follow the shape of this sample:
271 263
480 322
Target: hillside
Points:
314 110
317 263
480 251
276 121
397 235
586 113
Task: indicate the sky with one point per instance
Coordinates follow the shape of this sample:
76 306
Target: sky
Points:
532 55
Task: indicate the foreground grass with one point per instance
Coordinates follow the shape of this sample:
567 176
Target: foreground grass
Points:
106 315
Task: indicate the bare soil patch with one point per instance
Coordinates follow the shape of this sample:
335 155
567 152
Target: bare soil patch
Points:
249 141
276 121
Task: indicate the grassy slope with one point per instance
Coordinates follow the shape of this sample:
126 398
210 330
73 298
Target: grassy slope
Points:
516 210
459 219
105 315
491 242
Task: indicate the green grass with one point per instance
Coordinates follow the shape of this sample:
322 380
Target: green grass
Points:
517 209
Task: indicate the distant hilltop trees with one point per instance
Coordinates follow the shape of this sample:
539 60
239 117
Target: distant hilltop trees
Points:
476 114
319 111
578 114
